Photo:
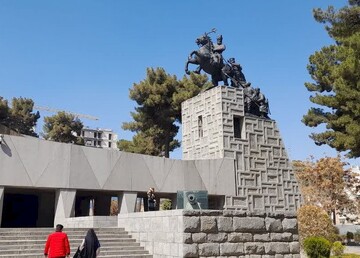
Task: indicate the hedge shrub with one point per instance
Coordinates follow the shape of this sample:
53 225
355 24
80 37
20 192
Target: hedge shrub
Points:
314 221
337 248
317 247
165 204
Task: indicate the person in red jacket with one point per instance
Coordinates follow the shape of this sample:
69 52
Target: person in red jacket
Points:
58 243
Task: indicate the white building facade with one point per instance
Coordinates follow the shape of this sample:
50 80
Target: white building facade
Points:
100 138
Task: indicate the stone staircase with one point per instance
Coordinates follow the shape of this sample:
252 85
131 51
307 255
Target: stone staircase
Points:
30 242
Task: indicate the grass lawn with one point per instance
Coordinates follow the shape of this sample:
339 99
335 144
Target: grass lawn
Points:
347 256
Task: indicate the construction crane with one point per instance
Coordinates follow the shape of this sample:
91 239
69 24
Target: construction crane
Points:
72 113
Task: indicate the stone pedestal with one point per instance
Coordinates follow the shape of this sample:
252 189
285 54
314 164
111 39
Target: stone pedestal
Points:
216 126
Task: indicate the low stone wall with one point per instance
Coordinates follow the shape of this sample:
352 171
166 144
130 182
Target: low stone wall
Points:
160 232
194 233
90 222
234 233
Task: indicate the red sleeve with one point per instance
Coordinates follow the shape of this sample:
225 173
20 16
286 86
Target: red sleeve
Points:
47 245
67 245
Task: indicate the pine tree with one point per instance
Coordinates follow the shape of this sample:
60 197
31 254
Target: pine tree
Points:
20 116
159 98
63 127
4 110
335 70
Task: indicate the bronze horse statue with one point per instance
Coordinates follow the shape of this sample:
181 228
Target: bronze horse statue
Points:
203 58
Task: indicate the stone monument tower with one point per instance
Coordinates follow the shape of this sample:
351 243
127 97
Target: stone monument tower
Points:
215 126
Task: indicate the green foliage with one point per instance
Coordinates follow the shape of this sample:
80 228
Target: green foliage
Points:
159 98
349 235
337 248
317 247
20 116
22 119
4 110
165 204
63 127
335 70
349 256
315 222
141 143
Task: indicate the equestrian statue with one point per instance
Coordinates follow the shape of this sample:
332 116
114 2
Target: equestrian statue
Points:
209 58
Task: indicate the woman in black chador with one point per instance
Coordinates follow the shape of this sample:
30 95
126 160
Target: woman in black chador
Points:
90 247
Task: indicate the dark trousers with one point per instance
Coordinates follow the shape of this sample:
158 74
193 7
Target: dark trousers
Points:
151 205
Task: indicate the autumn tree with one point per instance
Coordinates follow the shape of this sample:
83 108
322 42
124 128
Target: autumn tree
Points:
315 222
352 182
63 127
20 116
159 98
335 70
114 207
322 183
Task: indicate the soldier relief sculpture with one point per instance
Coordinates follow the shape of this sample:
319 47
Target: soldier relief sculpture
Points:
209 58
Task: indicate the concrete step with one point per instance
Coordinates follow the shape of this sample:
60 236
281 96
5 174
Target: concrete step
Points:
104 250
75 242
82 236
66 230
46 233
100 256
15 240
128 256
28 246
30 243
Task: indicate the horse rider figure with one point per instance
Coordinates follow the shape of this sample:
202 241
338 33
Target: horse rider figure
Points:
208 53
218 48
208 58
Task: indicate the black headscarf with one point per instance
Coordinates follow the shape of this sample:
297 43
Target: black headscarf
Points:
91 244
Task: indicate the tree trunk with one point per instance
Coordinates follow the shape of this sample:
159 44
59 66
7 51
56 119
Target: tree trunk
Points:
333 212
167 143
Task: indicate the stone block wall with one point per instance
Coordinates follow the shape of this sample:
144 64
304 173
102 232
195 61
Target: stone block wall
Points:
215 233
240 234
263 175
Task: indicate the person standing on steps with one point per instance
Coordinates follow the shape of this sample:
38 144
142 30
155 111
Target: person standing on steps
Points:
57 244
151 199
90 246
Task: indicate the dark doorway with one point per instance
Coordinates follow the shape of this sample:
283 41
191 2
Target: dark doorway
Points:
98 201
25 208
20 210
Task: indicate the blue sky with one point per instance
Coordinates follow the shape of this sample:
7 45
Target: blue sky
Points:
84 56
